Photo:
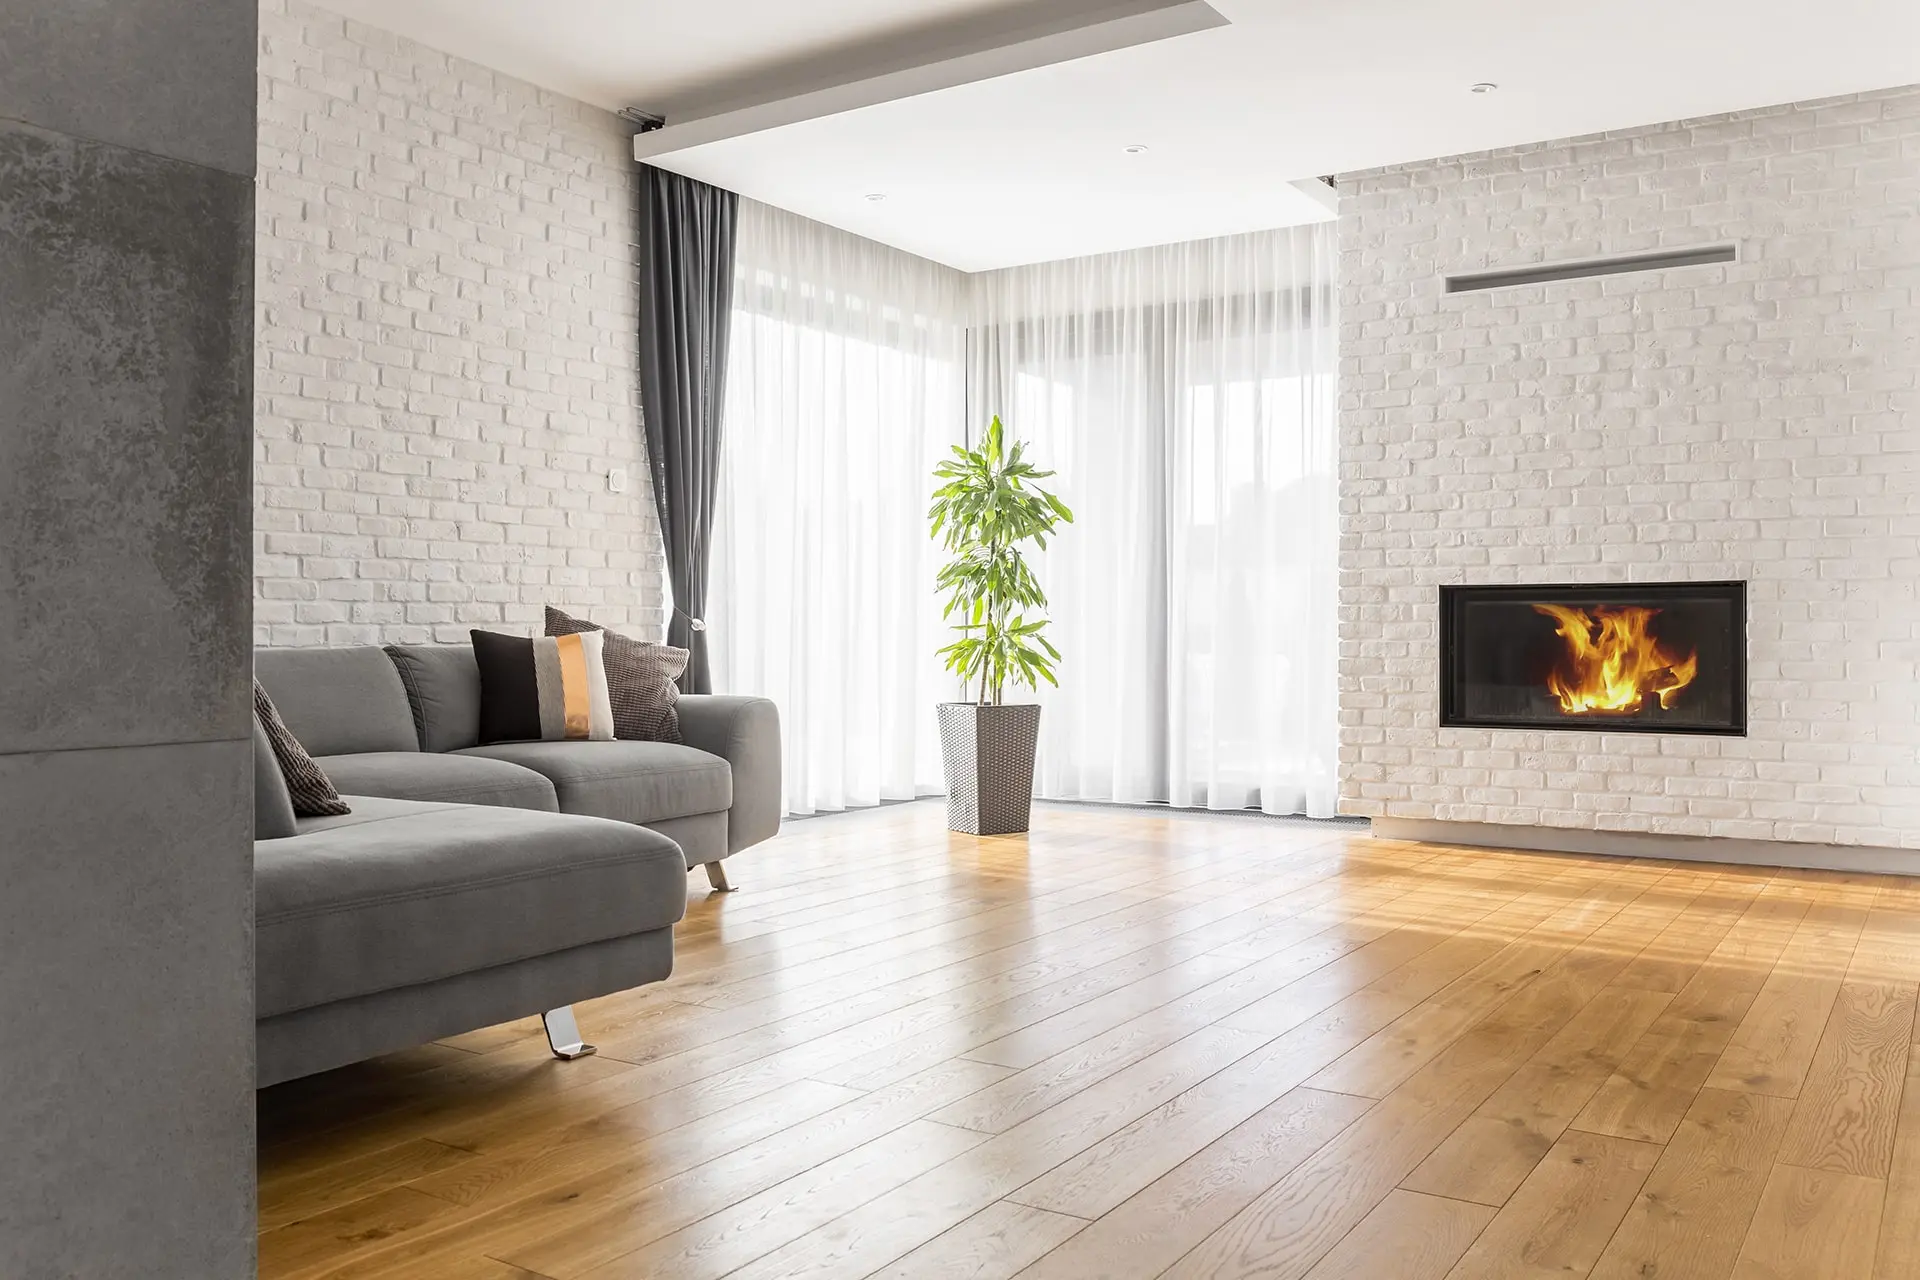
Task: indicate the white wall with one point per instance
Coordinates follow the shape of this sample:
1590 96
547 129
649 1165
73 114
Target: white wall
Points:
1759 420
447 344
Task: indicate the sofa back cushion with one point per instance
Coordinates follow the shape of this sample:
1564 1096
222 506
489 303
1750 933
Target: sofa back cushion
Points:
443 684
272 804
338 701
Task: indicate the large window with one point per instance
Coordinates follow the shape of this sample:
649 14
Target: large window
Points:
843 387
1186 396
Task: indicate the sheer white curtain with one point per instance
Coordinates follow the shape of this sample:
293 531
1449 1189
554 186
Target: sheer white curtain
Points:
844 385
1186 396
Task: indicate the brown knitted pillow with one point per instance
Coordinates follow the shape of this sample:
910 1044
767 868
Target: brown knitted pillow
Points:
640 680
312 792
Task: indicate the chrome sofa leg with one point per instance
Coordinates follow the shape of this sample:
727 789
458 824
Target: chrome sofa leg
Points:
717 877
563 1034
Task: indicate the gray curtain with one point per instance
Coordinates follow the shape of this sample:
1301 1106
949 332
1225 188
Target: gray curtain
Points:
686 305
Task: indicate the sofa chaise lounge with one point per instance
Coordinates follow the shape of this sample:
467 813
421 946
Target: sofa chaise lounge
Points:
476 884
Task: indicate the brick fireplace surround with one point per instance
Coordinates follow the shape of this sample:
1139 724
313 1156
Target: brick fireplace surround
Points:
1757 421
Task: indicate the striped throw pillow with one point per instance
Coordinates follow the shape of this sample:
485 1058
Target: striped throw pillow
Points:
547 689
312 792
640 677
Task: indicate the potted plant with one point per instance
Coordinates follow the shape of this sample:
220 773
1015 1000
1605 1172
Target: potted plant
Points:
986 508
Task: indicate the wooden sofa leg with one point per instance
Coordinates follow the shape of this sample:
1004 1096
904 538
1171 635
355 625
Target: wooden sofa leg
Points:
717 877
563 1034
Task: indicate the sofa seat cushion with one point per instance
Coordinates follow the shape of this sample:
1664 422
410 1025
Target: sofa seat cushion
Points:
630 781
446 779
365 809
403 893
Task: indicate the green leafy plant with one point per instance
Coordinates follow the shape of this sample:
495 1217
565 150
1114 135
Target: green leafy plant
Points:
986 507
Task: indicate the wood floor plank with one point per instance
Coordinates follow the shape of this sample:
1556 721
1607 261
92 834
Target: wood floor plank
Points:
1431 969
780 957
1562 1216
1670 961
1813 1225
1311 981
820 1042
898 1222
1849 1107
1388 899
1285 1231
479 1268
973 1027
331 1185
1491 1154
586 1217
1889 946
1151 1229
1772 1049
314 1242
1899 1245
1408 1236
1099 1178
749 1228
1025 1094
831 978
1323 938
1693 1211
980 991
1388 1058
996 1242
1649 1093
507 1170
500 1088
1373 1069
1647 1096
1107 1173
1085 1054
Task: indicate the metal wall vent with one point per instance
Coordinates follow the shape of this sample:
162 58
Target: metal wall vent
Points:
1547 272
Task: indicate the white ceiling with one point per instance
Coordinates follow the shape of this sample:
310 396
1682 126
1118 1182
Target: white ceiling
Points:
1030 166
660 54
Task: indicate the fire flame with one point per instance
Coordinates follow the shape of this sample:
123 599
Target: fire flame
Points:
1612 661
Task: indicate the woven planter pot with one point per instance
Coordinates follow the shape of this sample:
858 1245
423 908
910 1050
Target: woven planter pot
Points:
988 754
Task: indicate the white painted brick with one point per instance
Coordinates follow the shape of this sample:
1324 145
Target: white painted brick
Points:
1757 420
446 337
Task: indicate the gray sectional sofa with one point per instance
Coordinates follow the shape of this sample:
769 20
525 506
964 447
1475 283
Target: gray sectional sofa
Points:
476 884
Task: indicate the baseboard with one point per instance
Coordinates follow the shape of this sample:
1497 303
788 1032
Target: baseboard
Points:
1636 844
1194 811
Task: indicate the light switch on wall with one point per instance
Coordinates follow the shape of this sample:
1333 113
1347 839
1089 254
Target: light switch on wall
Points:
617 480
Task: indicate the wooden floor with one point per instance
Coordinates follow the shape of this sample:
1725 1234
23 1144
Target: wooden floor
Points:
1139 1045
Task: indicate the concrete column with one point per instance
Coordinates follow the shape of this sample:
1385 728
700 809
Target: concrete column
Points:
126 879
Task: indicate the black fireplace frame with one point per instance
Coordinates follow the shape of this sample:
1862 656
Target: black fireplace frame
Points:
1596 593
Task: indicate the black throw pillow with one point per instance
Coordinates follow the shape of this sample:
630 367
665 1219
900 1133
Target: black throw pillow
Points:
542 689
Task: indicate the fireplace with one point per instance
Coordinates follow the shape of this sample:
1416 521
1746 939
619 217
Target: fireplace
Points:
1645 658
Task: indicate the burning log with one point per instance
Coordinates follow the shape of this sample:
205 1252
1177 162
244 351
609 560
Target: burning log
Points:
1613 662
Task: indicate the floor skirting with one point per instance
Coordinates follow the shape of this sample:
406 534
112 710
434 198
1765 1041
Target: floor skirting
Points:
1638 844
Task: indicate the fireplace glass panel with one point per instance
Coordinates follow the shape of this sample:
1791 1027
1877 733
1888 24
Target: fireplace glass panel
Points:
1659 658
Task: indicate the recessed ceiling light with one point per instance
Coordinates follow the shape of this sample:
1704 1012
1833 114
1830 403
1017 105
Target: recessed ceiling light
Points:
1135 149
1485 86
877 196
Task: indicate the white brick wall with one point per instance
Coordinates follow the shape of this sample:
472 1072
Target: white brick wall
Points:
1759 420
446 363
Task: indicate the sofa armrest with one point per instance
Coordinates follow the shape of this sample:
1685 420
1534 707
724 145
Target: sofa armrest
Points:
745 732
